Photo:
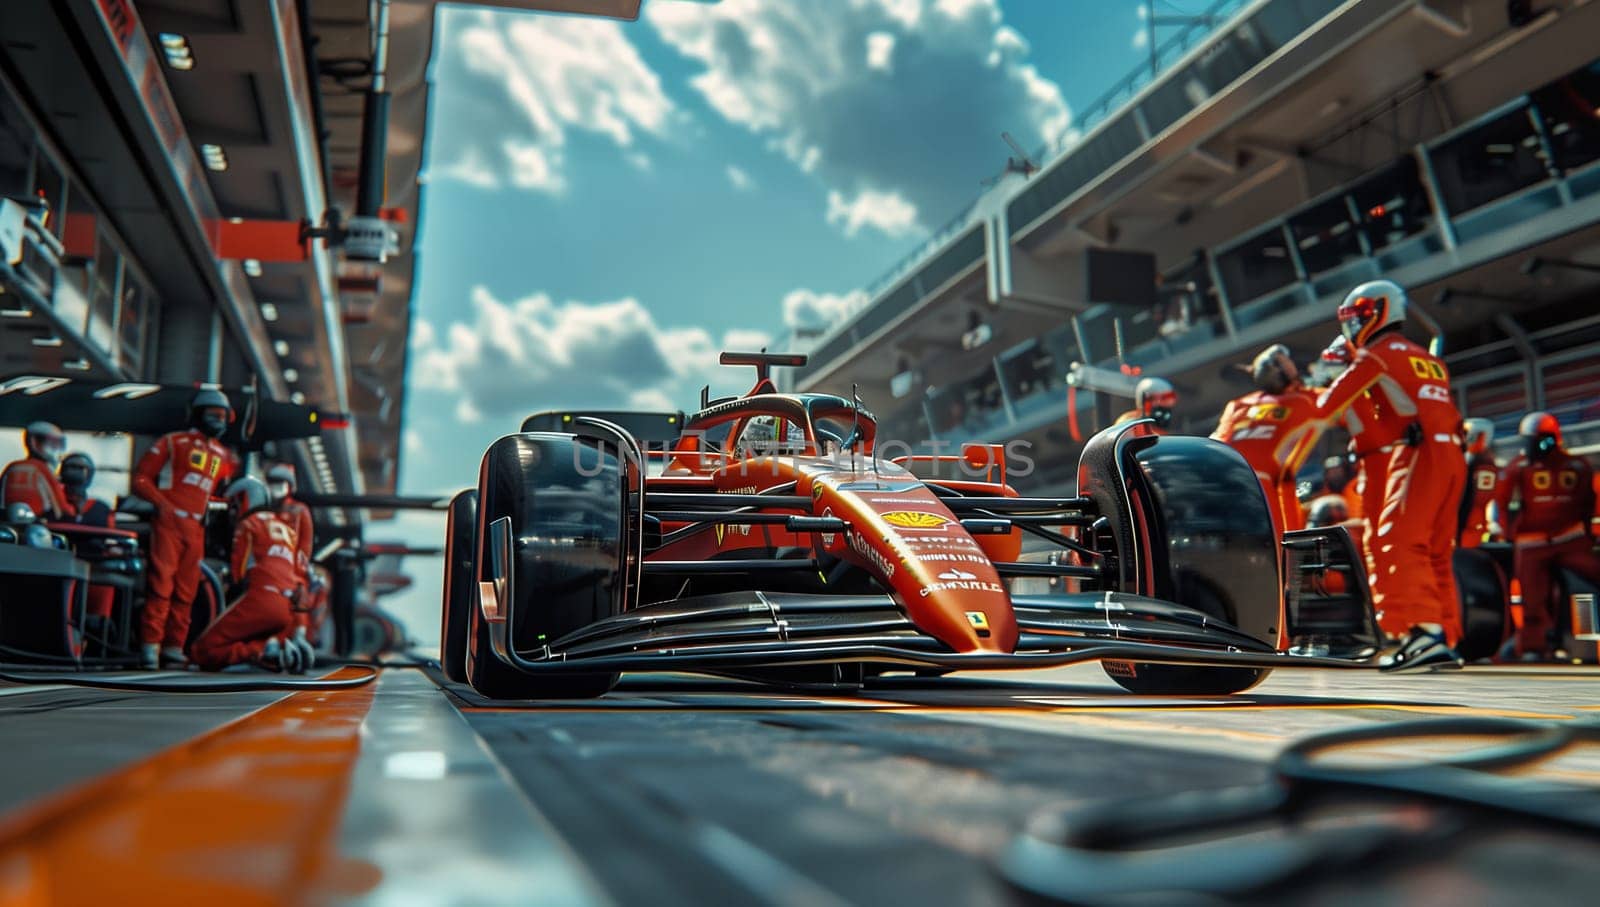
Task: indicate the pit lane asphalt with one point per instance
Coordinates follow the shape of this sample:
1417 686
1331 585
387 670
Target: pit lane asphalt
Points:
696 791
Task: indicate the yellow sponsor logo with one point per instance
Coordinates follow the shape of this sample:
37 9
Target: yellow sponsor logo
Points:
721 530
978 619
914 519
1428 369
816 490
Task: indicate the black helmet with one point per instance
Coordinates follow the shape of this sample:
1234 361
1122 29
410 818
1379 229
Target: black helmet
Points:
76 471
247 495
210 412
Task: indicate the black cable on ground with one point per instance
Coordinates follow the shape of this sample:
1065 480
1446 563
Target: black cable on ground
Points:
1208 843
196 683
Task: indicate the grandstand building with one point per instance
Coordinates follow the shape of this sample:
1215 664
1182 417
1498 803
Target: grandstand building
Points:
192 155
1299 148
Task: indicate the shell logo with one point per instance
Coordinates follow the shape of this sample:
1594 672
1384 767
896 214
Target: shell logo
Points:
913 519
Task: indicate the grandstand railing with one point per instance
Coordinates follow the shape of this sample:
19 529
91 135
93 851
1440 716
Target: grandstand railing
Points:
1386 223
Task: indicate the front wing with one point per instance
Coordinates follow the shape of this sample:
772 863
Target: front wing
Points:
751 630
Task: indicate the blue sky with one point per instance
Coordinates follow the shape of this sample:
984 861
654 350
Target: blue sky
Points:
610 204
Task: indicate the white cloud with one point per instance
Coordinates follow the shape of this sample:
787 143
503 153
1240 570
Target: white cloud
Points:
531 166
471 168
883 211
846 96
512 88
809 310
880 51
533 353
740 179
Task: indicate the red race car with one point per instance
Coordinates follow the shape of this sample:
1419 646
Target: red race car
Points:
763 539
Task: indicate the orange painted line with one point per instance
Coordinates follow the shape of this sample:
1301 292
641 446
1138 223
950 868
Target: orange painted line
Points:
245 814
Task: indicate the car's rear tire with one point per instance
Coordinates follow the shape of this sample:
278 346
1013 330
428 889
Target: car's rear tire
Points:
566 498
460 584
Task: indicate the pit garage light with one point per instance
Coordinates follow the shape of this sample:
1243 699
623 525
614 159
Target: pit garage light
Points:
297 398
216 159
176 47
269 312
281 347
252 267
290 375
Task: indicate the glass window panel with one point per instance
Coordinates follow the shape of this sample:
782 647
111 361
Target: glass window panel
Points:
50 185
1038 369
1489 162
1571 110
1326 235
1257 266
103 298
1393 204
16 147
133 319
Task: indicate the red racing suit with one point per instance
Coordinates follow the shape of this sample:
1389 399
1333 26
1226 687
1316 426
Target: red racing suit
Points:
298 518
1274 433
31 481
94 512
264 556
1483 478
1551 532
179 474
1411 535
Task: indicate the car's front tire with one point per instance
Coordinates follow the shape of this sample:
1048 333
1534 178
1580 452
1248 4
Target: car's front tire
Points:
566 498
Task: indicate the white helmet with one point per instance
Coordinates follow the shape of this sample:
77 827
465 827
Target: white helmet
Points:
45 442
1273 369
1370 308
281 482
1155 398
1480 434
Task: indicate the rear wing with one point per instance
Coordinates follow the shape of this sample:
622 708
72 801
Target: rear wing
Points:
648 428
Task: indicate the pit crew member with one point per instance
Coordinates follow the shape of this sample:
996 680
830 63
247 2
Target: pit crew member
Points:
32 480
1483 476
179 475
1274 428
77 474
258 627
1411 537
1552 529
1153 398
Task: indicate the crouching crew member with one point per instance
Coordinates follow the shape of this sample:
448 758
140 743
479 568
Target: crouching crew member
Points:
1274 429
282 486
1483 475
258 627
1550 532
1153 398
1411 537
178 475
32 480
